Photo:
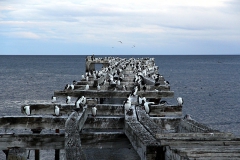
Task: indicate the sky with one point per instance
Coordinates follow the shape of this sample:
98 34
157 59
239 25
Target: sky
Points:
127 27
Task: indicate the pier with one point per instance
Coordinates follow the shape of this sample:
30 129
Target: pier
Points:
155 129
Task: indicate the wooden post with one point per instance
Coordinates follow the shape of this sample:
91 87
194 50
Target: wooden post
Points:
57 151
73 147
6 152
17 153
37 151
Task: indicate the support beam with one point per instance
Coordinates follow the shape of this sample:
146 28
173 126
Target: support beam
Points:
17 153
32 141
32 122
113 94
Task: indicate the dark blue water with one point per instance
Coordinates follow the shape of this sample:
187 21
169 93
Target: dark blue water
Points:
209 85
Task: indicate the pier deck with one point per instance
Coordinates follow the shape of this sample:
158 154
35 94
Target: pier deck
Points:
162 133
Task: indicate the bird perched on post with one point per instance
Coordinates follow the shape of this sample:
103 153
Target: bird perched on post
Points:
54 99
98 87
87 87
180 101
144 87
127 104
94 111
147 106
56 110
68 99
27 110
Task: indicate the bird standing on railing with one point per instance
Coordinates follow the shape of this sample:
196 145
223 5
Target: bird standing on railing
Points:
180 101
147 106
68 99
94 111
27 110
54 99
56 110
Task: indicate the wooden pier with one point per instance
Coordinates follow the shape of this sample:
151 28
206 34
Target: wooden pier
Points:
162 133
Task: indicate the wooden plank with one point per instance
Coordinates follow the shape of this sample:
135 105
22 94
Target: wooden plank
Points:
32 141
82 117
32 122
106 122
193 126
165 110
196 136
147 122
113 94
104 140
17 153
142 141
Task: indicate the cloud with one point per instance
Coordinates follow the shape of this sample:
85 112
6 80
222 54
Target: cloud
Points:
145 22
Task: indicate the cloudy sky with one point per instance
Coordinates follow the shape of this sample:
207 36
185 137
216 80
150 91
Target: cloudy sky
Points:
86 27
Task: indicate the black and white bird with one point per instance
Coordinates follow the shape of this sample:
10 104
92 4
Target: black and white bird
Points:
124 87
77 103
27 110
83 77
68 99
54 99
94 111
56 110
140 100
134 91
71 86
187 117
147 106
180 101
83 101
98 87
87 87
66 87
127 104
144 88
166 83
163 102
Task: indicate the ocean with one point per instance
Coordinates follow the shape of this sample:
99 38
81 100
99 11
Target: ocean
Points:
208 84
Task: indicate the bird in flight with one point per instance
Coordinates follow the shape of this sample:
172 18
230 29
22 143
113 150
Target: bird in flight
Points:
120 41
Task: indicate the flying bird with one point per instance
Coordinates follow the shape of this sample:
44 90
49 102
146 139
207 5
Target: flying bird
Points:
120 41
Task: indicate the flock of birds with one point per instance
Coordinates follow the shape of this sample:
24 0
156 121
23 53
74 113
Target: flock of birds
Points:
113 76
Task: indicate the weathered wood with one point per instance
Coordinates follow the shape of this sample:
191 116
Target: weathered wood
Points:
32 141
101 139
106 122
193 126
17 154
196 136
32 122
148 123
113 94
142 141
72 139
